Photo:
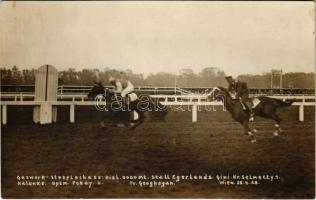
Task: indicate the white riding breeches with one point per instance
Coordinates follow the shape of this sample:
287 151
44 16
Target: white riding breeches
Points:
128 89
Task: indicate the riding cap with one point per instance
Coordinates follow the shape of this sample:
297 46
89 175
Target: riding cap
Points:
229 79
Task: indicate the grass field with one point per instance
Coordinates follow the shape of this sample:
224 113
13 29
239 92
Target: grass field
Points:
214 145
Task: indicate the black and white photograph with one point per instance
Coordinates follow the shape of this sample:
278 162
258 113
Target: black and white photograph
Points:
157 99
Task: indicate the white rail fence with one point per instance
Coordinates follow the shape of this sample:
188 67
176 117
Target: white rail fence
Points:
194 102
66 89
190 90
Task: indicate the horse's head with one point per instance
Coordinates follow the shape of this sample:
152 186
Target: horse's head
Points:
218 93
96 90
221 94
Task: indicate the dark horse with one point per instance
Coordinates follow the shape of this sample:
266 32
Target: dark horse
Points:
266 108
114 104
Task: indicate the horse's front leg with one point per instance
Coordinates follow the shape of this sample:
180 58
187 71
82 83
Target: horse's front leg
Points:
277 120
278 130
249 132
139 121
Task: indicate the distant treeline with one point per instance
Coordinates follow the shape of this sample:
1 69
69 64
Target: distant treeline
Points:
207 77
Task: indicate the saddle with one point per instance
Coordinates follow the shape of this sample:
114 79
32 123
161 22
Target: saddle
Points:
255 101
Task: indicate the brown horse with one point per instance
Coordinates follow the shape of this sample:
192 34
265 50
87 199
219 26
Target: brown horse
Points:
266 108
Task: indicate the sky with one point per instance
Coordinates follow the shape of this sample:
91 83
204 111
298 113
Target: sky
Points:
151 36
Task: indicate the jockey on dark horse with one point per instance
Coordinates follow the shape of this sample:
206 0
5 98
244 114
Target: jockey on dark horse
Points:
123 87
242 93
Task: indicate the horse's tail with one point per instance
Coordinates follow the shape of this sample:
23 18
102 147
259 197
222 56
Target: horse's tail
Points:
284 103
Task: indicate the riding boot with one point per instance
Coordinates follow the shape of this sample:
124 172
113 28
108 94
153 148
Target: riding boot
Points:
243 104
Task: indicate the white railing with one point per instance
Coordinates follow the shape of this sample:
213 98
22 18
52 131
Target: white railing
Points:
183 90
22 95
193 101
155 90
186 90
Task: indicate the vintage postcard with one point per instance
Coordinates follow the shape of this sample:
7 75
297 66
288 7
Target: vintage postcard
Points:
157 99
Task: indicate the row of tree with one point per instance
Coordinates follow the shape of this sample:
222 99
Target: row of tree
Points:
207 77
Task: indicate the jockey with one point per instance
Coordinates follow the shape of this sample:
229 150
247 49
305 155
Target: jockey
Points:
122 86
242 91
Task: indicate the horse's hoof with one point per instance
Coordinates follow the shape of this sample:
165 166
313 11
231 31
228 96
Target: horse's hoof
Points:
102 124
132 126
249 133
276 133
120 125
281 130
254 130
252 139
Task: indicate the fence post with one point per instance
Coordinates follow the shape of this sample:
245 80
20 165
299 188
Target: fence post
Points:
224 108
45 113
72 113
301 111
194 113
61 91
54 113
4 114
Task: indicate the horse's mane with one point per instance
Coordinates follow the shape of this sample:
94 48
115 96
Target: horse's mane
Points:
224 90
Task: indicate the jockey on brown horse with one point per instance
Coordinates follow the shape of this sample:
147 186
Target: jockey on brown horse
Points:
242 93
